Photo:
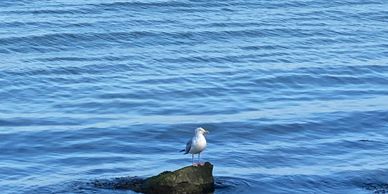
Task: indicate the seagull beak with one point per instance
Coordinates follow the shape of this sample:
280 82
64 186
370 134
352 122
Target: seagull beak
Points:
207 132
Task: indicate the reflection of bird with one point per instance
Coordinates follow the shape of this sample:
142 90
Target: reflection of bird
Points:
196 144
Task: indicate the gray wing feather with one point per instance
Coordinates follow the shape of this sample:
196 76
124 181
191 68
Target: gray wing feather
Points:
188 146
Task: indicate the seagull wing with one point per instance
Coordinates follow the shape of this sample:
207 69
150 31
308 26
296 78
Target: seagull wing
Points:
188 146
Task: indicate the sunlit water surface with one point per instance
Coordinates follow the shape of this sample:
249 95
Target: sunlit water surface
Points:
294 93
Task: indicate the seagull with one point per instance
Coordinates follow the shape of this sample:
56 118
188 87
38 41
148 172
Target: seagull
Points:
196 144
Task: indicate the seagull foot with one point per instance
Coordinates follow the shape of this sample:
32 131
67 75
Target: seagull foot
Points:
198 164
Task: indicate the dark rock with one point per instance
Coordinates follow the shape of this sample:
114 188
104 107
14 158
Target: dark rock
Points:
188 180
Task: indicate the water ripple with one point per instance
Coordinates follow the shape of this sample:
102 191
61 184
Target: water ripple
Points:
293 92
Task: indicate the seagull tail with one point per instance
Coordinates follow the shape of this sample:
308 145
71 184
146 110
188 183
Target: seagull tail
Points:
182 150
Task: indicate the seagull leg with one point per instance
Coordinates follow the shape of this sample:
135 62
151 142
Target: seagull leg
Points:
199 160
192 159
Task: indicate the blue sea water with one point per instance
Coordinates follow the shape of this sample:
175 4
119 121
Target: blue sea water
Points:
294 93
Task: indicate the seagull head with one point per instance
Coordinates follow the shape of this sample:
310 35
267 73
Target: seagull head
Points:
201 130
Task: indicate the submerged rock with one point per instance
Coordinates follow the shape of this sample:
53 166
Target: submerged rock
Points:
189 180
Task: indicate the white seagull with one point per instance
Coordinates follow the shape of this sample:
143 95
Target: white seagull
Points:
196 144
